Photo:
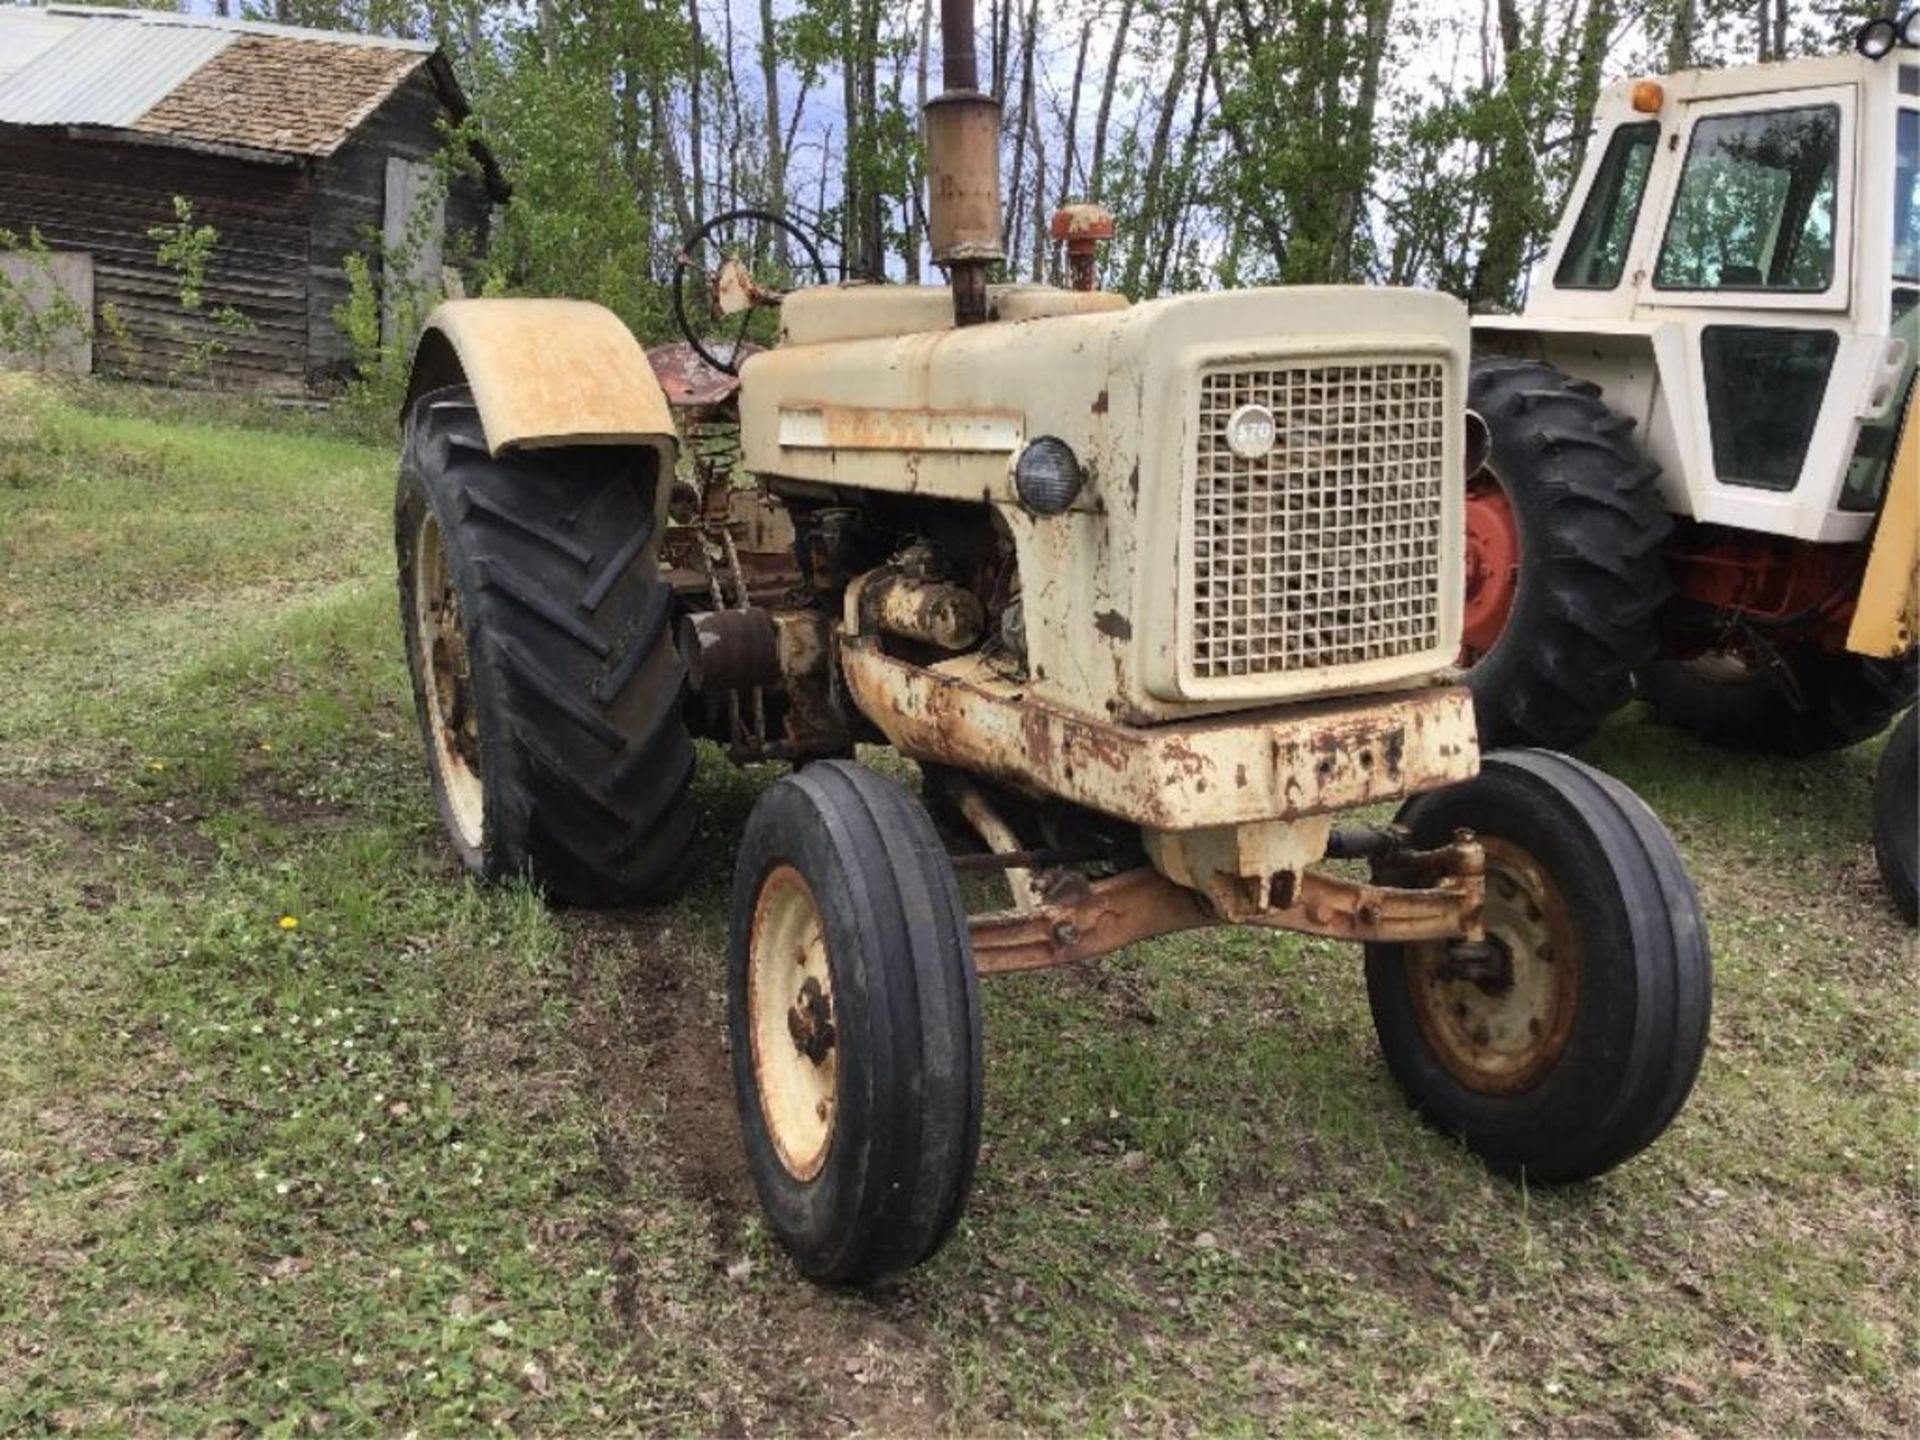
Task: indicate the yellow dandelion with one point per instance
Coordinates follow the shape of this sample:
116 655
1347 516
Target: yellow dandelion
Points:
289 922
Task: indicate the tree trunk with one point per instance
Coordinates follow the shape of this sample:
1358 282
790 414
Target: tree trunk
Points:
1016 212
776 149
695 123
1149 218
1070 161
917 181
1096 172
873 218
1176 222
1351 209
669 156
1680 37
1596 31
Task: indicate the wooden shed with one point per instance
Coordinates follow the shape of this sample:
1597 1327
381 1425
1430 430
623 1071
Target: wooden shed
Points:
299 147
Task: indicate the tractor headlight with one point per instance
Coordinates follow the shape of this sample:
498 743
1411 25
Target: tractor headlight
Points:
1877 38
1047 476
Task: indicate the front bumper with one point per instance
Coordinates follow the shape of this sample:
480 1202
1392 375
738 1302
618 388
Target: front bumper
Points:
1306 758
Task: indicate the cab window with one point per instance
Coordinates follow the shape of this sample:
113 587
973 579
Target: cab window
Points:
1755 209
1597 249
1906 199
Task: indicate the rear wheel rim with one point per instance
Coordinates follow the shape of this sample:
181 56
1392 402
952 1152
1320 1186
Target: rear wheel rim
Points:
1492 566
453 721
1501 1035
796 1050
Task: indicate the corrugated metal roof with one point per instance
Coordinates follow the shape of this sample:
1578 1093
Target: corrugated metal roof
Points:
240 27
108 71
28 34
204 82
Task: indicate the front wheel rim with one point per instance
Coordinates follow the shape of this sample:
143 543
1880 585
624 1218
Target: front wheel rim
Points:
453 720
792 1023
1501 1034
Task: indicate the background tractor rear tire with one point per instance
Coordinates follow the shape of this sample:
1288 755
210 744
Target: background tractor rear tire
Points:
1568 488
1583 1053
1811 702
544 672
854 1017
1896 816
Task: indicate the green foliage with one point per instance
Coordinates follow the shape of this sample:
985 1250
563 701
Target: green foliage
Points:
201 335
186 249
37 317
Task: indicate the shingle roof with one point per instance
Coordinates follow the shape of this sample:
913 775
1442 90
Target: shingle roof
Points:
270 93
198 80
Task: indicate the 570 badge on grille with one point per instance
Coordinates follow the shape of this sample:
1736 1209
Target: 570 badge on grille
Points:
1250 431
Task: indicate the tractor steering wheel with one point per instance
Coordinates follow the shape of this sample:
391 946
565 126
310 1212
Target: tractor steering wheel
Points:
736 263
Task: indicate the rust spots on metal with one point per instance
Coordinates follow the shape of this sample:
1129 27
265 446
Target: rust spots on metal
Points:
1102 917
688 381
932 612
1100 402
1499 1015
1078 919
1113 625
1166 776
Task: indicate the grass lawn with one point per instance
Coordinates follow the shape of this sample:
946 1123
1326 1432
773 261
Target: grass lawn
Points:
300 1132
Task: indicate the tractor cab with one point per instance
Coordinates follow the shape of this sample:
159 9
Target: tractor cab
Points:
1738 269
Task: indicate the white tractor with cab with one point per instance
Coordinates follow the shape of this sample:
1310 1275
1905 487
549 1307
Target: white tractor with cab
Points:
1694 488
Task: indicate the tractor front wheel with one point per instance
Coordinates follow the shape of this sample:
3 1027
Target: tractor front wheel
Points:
1570 1042
1564 568
854 1017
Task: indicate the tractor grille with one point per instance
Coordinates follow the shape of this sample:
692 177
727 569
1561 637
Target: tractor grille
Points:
1326 550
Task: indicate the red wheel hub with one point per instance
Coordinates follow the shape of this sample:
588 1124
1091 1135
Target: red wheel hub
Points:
1493 566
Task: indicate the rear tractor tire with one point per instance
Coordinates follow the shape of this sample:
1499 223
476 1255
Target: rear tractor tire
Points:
1576 1046
1896 816
1794 700
1564 564
854 1017
544 673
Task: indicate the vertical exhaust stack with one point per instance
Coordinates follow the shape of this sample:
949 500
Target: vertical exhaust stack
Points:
963 168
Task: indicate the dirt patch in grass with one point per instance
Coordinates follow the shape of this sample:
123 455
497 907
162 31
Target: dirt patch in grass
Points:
654 1021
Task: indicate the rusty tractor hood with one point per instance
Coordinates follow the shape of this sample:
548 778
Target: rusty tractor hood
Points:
1108 586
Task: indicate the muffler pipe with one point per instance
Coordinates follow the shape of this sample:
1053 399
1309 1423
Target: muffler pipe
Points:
963 168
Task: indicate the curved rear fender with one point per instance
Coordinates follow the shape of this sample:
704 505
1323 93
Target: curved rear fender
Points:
1626 362
545 373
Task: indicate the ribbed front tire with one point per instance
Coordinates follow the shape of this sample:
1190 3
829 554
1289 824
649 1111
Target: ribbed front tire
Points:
1577 1045
544 672
854 1016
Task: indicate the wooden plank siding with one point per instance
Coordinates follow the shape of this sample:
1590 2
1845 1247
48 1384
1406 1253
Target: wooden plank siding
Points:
286 225
102 196
350 205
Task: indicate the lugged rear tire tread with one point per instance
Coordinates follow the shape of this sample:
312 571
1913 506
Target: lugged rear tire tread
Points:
1833 700
1592 570
587 764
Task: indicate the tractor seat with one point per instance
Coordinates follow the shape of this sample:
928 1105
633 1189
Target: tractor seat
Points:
860 310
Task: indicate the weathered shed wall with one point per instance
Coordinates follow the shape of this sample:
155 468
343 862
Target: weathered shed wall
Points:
350 191
102 196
